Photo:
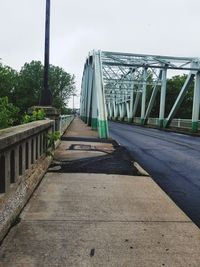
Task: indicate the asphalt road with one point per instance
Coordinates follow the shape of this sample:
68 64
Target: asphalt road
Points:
172 159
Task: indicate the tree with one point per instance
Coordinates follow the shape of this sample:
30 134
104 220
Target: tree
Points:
174 86
30 85
62 86
8 113
8 80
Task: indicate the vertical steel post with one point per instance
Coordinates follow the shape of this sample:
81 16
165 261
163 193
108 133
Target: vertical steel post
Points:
130 119
137 99
46 96
86 91
102 112
144 92
94 122
128 110
162 98
196 103
116 110
152 99
110 110
120 111
89 94
83 96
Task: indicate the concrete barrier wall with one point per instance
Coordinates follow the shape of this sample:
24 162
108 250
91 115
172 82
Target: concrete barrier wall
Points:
20 148
23 163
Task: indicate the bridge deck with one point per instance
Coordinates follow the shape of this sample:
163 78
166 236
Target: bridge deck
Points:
87 219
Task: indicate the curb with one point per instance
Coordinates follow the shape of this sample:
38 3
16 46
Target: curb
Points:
140 169
17 198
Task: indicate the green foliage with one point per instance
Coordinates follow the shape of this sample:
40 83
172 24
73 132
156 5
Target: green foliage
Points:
38 114
8 113
51 139
62 86
174 86
26 118
30 82
8 82
24 88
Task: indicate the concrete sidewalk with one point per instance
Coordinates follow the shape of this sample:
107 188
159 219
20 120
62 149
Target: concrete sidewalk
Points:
87 219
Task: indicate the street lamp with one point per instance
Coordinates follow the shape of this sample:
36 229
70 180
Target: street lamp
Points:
46 96
73 101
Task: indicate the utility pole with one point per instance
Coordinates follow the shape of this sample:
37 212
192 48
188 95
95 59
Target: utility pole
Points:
46 96
73 103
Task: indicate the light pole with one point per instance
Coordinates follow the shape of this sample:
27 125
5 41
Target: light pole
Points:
46 96
73 102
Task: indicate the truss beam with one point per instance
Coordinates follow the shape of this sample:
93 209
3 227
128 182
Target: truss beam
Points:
115 84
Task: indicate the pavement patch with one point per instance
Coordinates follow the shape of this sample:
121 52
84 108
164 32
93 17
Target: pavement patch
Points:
84 157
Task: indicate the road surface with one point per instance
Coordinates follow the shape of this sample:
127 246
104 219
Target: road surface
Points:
172 159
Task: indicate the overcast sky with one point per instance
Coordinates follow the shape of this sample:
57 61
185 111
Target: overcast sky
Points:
166 27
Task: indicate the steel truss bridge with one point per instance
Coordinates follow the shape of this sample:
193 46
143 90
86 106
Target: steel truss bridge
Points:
115 84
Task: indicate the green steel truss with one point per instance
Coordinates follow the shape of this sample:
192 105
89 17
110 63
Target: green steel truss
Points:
114 84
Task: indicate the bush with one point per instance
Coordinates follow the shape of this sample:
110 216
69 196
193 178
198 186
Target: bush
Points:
38 114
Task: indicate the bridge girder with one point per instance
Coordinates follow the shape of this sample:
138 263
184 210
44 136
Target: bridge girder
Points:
113 85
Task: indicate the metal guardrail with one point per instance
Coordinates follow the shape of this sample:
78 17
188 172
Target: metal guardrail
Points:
137 120
177 123
181 123
65 121
152 121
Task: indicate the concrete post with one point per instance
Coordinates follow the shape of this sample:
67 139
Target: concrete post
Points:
16 162
7 171
23 157
29 153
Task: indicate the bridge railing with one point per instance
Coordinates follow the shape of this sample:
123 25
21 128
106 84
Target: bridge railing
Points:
152 121
64 122
181 123
177 123
20 147
137 120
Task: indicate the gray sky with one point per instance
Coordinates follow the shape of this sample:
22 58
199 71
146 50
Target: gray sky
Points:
166 27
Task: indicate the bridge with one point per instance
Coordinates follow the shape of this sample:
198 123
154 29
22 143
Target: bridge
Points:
114 84
109 192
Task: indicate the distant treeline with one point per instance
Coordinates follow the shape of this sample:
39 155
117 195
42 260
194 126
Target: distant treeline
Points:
20 90
174 86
